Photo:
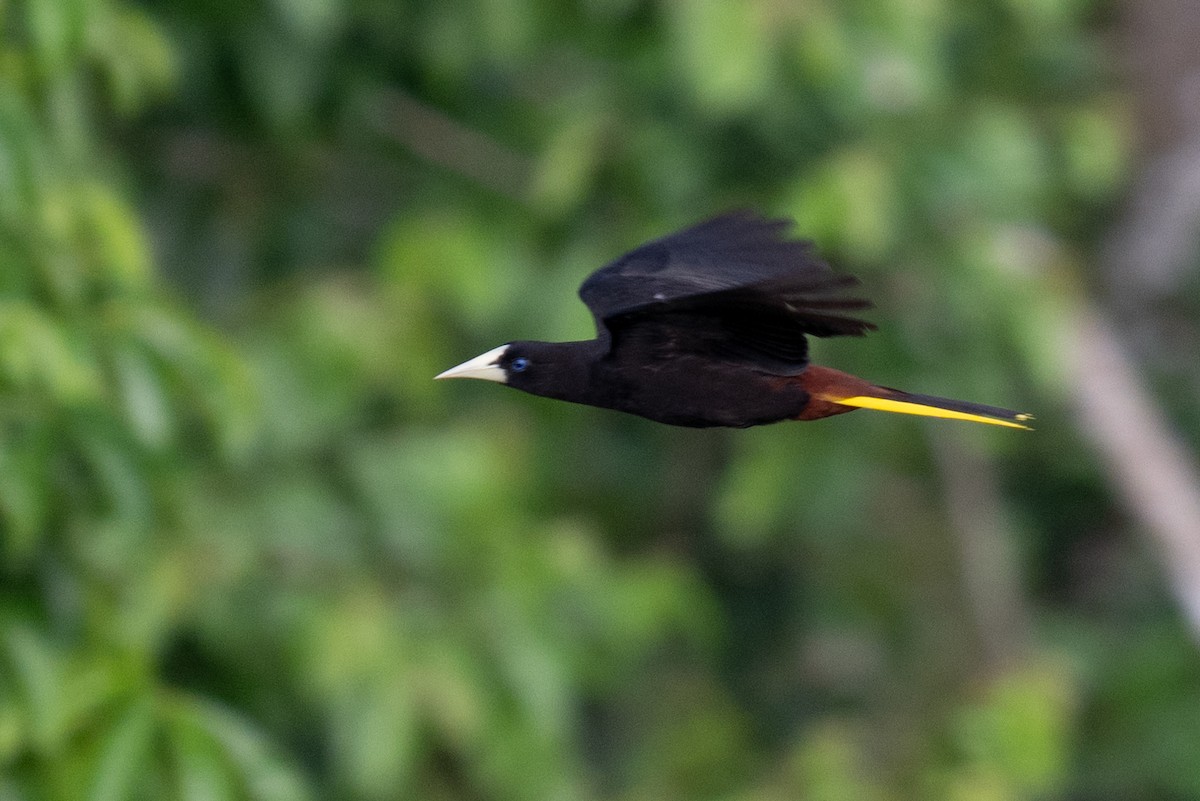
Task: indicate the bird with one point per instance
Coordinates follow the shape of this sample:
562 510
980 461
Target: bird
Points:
709 326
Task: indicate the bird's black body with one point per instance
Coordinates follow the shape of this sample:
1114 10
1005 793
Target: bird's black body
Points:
707 327
686 390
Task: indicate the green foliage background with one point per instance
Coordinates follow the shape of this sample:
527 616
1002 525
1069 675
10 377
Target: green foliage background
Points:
250 551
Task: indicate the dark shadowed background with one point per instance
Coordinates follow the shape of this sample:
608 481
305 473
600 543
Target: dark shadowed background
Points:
249 550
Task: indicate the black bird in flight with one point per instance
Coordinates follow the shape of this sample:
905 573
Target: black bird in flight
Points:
708 327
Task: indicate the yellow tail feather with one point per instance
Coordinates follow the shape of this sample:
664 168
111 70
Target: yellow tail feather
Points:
905 407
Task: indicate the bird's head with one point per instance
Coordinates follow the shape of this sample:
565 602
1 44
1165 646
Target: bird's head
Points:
542 368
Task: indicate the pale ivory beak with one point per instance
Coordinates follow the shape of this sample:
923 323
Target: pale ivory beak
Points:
485 366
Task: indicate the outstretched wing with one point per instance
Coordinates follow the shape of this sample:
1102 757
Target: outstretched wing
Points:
732 287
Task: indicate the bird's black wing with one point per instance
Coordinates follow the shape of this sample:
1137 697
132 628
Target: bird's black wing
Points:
736 249
732 288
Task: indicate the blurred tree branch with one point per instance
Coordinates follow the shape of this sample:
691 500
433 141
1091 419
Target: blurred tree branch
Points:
1149 254
436 137
990 574
1156 477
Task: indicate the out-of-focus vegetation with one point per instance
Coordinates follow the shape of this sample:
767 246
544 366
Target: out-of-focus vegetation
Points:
248 550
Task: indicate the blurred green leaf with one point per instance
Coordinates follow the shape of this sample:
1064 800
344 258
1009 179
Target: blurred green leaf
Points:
850 205
254 771
123 754
37 677
145 402
24 496
1095 148
831 765
137 58
567 168
1019 734
38 355
113 230
55 29
724 51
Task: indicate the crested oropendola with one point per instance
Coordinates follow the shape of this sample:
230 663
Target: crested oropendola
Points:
707 327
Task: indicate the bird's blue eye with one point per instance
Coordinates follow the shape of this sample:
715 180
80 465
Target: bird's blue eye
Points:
519 364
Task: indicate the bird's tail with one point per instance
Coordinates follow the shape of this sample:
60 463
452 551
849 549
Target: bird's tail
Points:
894 400
834 392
